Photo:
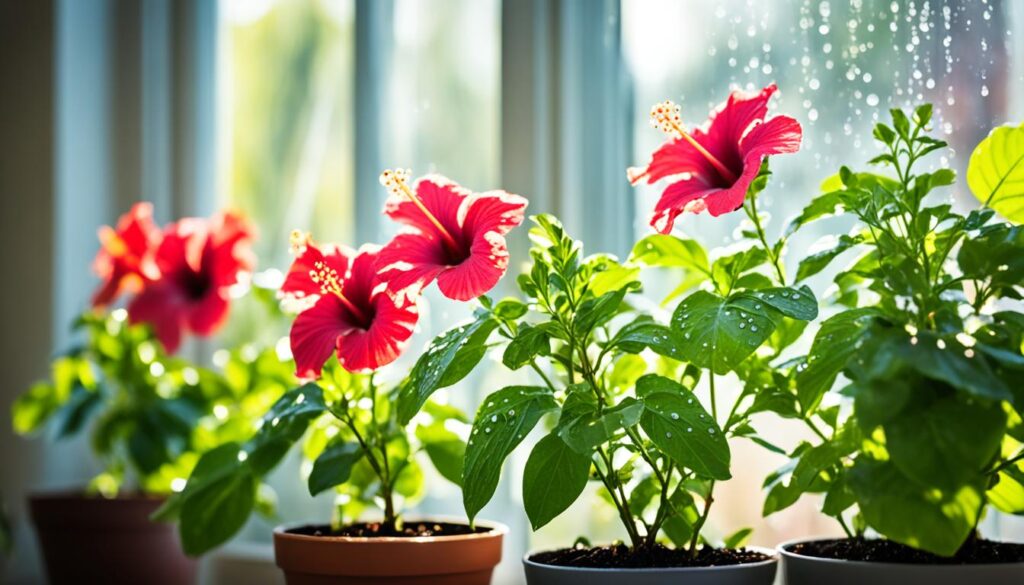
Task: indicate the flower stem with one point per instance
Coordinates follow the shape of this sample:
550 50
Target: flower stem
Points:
752 214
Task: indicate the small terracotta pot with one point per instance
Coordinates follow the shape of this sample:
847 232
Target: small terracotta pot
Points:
807 570
760 573
467 559
97 540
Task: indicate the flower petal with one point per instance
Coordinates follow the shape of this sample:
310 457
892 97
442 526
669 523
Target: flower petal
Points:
497 211
411 261
393 324
208 314
159 305
742 109
441 196
315 335
298 283
478 273
728 200
675 157
677 198
779 135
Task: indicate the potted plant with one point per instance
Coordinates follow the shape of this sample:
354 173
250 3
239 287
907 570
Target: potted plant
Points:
648 426
367 426
148 411
930 363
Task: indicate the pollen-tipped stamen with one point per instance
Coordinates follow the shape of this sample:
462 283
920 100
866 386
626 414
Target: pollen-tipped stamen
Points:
330 284
665 117
396 182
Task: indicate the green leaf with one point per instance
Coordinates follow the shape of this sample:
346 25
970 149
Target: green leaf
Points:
680 522
727 270
680 427
445 449
586 429
283 425
796 303
996 256
635 336
1008 493
834 345
947 443
669 251
597 311
738 538
333 466
930 519
216 502
448 358
825 205
817 262
529 342
717 333
995 172
553 478
510 309
501 423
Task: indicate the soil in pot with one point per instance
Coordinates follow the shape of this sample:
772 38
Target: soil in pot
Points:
421 552
973 552
379 529
657 557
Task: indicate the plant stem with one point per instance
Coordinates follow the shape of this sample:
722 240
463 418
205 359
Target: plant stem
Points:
711 486
610 482
386 479
752 214
846 529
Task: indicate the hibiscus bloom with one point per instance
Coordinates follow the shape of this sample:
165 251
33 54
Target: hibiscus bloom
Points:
353 311
452 235
125 261
714 167
198 261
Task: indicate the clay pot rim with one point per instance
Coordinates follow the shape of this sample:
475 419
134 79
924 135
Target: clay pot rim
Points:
58 494
772 560
782 551
496 529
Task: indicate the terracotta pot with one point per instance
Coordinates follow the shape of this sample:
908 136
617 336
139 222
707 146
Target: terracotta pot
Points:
95 540
807 570
467 559
762 573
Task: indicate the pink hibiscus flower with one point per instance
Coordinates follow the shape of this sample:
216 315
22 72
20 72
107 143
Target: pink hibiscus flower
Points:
714 167
452 235
354 312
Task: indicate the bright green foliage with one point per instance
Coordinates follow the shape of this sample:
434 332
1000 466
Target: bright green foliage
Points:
934 374
350 429
619 386
148 413
995 173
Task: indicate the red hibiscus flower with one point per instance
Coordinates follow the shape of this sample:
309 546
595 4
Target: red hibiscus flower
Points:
198 261
355 314
124 261
452 235
714 167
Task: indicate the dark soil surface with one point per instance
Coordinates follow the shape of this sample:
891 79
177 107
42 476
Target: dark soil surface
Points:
973 552
379 529
620 556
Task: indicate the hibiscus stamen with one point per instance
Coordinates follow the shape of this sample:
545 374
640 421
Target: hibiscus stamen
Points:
396 183
330 284
665 117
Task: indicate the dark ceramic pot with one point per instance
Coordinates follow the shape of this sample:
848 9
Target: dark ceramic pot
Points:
88 539
466 559
762 573
807 570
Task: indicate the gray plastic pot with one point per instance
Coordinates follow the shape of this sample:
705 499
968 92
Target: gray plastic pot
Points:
762 573
804 570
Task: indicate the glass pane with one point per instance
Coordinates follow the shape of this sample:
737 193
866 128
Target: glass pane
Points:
839 66
286 118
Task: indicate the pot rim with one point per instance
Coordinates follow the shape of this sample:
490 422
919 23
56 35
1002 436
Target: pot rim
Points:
496 529
772 554
781 548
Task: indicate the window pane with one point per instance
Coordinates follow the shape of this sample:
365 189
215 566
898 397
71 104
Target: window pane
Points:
286 118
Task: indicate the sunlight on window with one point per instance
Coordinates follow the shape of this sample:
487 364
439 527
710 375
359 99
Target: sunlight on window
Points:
286 118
